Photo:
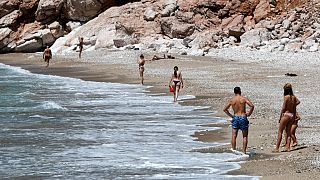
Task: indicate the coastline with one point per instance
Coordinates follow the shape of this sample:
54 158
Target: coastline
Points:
211 80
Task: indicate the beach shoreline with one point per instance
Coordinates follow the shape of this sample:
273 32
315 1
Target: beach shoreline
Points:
211 80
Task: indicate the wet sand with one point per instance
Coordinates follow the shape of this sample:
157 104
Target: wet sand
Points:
212 81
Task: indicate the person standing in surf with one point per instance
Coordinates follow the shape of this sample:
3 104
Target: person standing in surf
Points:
47 55
176 82
141 61
239 117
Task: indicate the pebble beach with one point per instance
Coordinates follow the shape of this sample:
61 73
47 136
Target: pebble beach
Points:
260 74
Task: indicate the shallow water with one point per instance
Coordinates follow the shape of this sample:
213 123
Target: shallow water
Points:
64 128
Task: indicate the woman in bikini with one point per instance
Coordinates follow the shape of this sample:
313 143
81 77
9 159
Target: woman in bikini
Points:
287 116
176 82
141 62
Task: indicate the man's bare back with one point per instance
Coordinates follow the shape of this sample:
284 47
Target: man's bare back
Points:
238 104
47 52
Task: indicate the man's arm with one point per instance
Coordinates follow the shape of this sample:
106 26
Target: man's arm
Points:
226 109
250 104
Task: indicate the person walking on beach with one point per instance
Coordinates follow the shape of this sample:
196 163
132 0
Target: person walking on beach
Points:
141 62
80 46
287 116
293 132
47 55
176 82
239 117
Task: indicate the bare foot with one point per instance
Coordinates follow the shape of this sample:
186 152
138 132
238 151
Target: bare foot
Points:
286 150
294 144
275 151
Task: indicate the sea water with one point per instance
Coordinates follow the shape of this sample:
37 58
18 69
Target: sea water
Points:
64 128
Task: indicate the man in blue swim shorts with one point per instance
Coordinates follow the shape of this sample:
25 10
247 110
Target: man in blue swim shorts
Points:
239 119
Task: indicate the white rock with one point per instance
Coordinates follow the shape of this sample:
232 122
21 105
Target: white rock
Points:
284 41
286 24
149 14
105 37
30 46
71 25
47 37
314 47
254 37
281 48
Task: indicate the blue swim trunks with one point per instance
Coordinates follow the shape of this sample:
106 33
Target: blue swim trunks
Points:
240 122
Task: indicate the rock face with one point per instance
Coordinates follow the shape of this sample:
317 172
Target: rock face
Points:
174 29
262 10
4 37
48 10
82 10
7 6
54 16
174 26
10 19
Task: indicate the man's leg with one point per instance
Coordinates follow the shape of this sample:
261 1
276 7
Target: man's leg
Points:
245 140
234 138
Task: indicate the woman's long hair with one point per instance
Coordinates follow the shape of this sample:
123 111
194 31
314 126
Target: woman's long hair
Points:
287 89
175 70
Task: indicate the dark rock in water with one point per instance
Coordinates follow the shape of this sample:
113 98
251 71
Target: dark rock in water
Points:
291 74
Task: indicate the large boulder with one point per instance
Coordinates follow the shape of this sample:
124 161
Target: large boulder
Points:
169 7
10 19
71 25
48 10
28 7
175 29
82 10
56 29
105 37
262 10
235 22
149 14
255 37
4 37
7 6
47 37
33 45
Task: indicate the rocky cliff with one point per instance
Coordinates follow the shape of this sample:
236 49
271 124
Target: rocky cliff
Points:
30 25
172 26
